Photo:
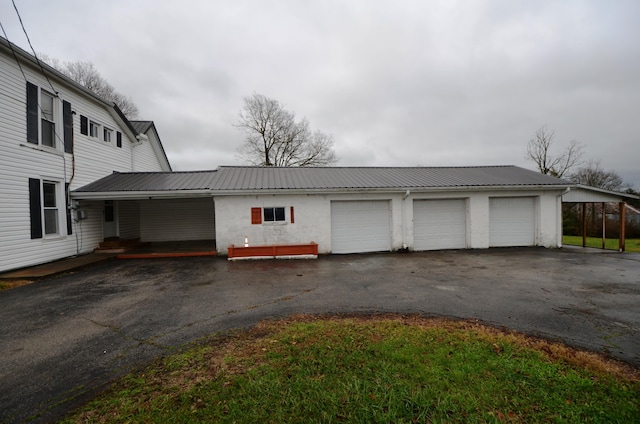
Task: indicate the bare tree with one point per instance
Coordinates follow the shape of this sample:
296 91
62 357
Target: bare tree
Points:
539 151
593 175
274 138
86 74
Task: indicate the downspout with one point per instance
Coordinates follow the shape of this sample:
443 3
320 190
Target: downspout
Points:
559 229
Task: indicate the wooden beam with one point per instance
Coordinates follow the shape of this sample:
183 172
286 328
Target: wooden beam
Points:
623 221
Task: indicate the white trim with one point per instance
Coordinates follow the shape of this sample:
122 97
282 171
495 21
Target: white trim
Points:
140 195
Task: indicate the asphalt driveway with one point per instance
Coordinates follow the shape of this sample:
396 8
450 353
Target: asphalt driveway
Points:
65 338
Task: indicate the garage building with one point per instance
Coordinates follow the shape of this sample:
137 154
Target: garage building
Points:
342 209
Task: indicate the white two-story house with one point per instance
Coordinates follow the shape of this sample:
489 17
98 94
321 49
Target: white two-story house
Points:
56 136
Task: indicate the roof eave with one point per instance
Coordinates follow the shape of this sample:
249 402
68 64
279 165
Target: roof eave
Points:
350 190
139 195
604 191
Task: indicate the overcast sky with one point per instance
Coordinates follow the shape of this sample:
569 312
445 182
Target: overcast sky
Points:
397 83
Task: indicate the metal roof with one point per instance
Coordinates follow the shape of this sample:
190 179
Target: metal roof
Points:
239 178
150 181
141 127
326 178
581 193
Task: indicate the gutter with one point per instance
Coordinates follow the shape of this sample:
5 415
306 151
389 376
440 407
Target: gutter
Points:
140 195
383 190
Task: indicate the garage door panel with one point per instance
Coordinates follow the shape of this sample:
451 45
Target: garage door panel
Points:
511 221
439 224
360 226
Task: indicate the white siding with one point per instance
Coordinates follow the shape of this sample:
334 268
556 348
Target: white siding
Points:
20 161
146 157
177 220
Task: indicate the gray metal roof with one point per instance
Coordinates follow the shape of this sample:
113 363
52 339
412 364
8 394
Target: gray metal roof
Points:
326 178
230 178
141 127
151 181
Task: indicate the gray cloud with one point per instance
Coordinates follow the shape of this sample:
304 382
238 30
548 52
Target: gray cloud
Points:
414 83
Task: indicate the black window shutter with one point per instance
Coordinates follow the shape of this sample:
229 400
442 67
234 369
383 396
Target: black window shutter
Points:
84 125
32 113
67 121
66 197
35 208
118 138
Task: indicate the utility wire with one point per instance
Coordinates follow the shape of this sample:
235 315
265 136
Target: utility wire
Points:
15 56
32 49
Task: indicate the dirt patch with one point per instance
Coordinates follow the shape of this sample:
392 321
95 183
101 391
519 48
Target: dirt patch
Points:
12 284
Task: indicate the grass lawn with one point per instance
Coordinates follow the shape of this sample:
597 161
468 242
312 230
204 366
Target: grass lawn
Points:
373 369
631 245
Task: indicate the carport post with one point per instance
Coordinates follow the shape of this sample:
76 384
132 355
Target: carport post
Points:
604 225
623 221
584 224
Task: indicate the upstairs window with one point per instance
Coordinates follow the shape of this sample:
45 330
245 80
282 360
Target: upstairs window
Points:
107 134
47 121
94 129
43 116
43 113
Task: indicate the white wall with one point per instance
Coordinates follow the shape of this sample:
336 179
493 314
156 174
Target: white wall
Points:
93 158
313 217
147 155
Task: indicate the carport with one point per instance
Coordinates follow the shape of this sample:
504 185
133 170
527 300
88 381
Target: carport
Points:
599 198
171 210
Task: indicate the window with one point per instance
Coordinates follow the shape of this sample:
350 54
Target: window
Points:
50 207
270 215
107 134
42 117
273 214
44 208
94 129
47 126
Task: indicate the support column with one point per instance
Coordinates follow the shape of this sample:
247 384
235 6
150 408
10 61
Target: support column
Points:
604 225
584 224
623 221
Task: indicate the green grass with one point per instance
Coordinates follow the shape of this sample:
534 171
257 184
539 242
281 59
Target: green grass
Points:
363 370
631 245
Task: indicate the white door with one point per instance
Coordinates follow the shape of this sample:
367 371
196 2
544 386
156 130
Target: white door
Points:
439 224
512 221
360 226
110 220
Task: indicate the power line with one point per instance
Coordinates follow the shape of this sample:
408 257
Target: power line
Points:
32 49
15 56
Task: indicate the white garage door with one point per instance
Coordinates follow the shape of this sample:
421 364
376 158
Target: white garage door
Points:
439 224
512 221
360 226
